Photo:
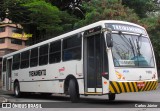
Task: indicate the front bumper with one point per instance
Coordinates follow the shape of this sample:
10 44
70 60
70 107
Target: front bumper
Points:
120 87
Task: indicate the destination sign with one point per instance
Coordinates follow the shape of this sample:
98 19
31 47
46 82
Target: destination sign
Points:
126 28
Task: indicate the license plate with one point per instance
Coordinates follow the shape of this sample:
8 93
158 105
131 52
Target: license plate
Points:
140 84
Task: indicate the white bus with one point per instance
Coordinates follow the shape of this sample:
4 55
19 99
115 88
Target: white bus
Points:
107 57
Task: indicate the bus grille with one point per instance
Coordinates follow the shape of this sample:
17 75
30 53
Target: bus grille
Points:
120 87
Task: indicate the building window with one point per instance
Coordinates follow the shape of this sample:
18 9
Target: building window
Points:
25 59
34 57
43 55
2 40
4 64
26 43
2 29
55 52
16 41
72 48
16 62
16 30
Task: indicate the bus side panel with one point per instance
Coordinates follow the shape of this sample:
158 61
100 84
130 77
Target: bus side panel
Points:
40 86
52 81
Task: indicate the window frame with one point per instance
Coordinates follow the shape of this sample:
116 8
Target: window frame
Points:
2 29
24 60
72 48
16 41
3 40
13 66
35 57
43 55
55 52
4 66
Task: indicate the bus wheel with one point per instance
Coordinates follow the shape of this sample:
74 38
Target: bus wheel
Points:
73 91
111 96
17 92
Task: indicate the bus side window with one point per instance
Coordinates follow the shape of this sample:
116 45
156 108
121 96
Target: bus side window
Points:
16 62
25 59
55 52
72 48
43 54
34 57
4 64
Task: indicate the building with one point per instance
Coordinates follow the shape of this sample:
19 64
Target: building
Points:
12 38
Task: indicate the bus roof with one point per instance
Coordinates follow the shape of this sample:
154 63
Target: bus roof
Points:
102 23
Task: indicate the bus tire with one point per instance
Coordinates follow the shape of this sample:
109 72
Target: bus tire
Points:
73 91
111 96
17 91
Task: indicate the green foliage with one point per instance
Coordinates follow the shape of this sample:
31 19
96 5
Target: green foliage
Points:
44 15
12 10
67 21
106 10
149 23
141 7
38 17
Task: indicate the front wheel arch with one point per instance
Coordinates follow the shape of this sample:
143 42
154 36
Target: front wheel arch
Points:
66 83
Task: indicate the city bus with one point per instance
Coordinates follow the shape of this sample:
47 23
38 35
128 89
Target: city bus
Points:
108 57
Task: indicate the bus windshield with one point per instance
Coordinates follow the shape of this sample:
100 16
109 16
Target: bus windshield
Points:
132 51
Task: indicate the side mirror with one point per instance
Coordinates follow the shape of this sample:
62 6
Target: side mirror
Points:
109 39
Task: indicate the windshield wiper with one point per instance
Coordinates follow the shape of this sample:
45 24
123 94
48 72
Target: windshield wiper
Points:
132 47
138 47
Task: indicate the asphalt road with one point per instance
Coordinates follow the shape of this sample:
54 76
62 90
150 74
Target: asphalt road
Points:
124 102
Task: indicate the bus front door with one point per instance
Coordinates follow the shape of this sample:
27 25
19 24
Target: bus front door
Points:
8 74
93 64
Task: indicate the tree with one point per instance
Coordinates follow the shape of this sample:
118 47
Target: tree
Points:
38 17
43 15
71 6
32 12
141 7
106 10
11 9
